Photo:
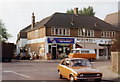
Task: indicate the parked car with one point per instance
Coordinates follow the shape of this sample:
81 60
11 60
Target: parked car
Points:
23 56
83 53
75 69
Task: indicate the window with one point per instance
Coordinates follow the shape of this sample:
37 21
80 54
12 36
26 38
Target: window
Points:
107 33
68 32
52 31
89 33
64 62
92 33
64 31
60 31
80 32
102 33
84 51
56 31
113 33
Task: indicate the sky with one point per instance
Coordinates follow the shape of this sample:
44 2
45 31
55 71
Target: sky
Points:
16 14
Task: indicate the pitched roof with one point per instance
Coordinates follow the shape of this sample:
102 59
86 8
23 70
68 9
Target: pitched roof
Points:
113 19
26 28
79 21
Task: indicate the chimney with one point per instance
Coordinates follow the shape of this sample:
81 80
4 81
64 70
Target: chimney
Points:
33 21
76 11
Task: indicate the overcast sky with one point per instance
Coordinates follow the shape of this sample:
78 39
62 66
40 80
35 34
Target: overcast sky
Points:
16 14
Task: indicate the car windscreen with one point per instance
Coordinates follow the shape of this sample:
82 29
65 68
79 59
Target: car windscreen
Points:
80 62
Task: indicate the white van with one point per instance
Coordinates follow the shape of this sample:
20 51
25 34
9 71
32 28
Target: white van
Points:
83 53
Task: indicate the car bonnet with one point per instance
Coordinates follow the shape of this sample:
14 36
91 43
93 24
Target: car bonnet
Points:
85 70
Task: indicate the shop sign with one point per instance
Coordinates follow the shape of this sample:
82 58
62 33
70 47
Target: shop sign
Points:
86 40
61 40
94 40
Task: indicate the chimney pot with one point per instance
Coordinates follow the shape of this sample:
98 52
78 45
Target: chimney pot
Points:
76 11
33 21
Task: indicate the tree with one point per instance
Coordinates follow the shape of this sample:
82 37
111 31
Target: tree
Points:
85 11
4 35
70 11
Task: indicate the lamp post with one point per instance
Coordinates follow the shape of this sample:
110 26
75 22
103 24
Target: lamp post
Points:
84 36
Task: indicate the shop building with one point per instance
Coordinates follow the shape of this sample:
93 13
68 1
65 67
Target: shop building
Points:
21 41
57 34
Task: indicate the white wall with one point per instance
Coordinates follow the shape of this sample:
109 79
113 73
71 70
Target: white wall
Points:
21 43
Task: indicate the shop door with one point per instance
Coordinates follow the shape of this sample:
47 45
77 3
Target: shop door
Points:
53 52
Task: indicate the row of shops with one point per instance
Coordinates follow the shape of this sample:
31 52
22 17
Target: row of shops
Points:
60 47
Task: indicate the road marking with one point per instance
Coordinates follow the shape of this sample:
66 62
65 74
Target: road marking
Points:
16 73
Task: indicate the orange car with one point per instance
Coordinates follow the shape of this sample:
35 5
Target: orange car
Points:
78 69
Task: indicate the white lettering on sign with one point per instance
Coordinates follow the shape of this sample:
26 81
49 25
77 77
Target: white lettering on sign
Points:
95 40
86 40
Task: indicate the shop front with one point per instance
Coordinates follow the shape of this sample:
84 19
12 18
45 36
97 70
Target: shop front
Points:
60 47
101 46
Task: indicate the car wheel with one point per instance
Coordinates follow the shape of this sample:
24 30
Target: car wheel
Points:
97 80
72 78
60 76
91 60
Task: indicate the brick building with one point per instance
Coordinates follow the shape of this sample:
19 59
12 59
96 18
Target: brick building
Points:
114 19
61 32
22 39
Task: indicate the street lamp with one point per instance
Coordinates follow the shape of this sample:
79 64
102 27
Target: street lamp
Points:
84 36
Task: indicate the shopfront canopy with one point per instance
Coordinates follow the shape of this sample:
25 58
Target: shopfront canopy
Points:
90 45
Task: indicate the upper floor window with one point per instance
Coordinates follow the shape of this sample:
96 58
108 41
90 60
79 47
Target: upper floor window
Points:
89 33
60 31
53 31
108 33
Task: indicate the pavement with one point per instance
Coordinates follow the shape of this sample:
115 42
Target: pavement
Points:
108 74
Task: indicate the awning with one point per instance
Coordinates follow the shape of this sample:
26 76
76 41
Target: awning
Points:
90 45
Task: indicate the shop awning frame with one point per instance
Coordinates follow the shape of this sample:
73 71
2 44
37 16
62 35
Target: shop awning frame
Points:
90 46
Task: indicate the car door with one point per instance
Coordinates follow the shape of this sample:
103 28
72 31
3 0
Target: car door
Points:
67 69
63 67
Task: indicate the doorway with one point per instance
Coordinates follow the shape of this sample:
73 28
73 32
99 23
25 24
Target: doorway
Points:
53 52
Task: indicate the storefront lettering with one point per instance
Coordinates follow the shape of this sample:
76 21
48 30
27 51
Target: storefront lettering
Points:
61 40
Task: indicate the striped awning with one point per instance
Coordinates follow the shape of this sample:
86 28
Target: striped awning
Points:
90 46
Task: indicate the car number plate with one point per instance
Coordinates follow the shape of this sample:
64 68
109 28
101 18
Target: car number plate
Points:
90 79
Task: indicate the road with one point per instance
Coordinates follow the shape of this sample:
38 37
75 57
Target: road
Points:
32 70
